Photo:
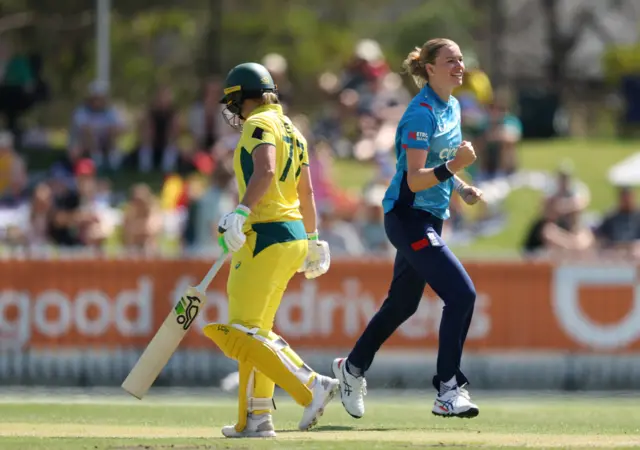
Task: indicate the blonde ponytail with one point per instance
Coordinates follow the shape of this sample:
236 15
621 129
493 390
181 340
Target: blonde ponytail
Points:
414 67
416 62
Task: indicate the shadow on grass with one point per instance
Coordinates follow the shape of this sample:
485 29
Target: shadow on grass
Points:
334 428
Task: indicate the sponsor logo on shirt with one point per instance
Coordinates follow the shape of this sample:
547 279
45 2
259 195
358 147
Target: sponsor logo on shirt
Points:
448 153
418 136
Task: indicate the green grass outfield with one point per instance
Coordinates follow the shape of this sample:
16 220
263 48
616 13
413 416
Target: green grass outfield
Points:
392 421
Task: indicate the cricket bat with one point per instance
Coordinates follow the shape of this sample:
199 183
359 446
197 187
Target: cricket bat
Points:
169 335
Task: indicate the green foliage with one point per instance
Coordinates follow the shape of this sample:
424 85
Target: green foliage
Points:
153 48
159 41
621 60
452 19
309 45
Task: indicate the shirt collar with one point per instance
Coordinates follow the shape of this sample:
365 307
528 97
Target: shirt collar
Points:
430 93
262 108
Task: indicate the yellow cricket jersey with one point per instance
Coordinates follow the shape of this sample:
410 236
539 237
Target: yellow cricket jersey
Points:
268 125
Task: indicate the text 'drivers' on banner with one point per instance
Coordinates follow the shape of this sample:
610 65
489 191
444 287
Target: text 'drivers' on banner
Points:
120 304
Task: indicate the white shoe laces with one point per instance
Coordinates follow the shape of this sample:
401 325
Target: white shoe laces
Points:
464 393
363 387
461 391
363 383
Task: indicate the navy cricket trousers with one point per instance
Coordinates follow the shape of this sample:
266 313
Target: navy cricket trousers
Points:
422 257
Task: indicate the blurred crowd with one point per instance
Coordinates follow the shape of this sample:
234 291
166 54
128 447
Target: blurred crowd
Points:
563 229
73 204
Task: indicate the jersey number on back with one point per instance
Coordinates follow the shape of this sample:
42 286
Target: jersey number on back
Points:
292 142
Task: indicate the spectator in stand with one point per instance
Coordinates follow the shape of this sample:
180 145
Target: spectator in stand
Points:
371 223
205 121
65 167
385 97
214 139
18 192
17 84
158 135
320 167
475 95
14 179
326 191
13 174
7 158
330 124
76 220
497 140
205 208
96 126
546 236
31 231
620 230
380 108
366 147
189 159
476 84
368 63
341 235
568 192
142 222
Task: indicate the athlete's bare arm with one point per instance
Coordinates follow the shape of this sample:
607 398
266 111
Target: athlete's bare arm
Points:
264 169
307 200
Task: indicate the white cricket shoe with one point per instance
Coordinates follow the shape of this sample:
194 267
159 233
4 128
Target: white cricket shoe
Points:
464 392
455 403
352 388
258 426
323 391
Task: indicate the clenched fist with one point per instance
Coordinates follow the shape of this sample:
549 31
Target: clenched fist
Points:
470 194
465 156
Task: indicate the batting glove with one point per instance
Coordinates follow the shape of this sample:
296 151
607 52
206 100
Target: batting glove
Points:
232 238
318 257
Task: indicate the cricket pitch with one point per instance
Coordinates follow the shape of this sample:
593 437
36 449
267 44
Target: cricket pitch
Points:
391 422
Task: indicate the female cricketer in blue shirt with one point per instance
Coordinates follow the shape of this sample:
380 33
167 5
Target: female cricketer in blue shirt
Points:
429 150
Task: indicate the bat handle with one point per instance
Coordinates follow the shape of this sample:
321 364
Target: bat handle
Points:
213 271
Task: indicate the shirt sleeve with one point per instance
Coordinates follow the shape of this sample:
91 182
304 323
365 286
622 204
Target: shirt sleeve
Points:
256 132
417 132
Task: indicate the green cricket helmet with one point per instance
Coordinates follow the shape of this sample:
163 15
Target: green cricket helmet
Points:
245 81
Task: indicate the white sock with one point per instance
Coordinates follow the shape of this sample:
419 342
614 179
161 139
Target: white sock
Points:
446 386
353 370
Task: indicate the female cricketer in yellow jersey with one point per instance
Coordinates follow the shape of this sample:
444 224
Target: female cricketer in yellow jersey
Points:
272 235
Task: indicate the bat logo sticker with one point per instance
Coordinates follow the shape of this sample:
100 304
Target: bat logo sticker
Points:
186 310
